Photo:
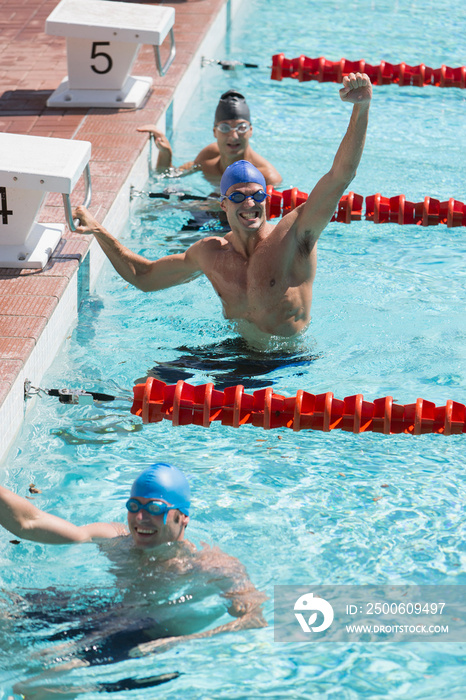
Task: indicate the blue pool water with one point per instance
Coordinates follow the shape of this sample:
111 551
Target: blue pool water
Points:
296 508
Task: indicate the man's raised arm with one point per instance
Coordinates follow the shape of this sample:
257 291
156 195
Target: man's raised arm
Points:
24 520
320 206
146 275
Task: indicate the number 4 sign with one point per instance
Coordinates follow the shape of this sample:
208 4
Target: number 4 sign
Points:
4 211
30 168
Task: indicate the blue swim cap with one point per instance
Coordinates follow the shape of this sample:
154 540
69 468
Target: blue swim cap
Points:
163 481
241 171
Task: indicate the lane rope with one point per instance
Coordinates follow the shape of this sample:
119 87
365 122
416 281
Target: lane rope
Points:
185 404
379 209
304 69
322 70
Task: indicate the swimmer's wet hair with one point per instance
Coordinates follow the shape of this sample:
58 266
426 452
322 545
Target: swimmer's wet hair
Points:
232 105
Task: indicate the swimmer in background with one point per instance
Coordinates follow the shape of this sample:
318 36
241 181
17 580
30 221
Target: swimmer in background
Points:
262 273
152 560
232 130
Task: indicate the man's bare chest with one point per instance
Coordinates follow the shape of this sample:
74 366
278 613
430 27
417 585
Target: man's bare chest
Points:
263 280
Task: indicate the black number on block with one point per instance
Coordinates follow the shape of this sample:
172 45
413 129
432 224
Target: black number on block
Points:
97 54
4 211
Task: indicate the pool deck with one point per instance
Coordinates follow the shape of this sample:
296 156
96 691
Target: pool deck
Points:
37 308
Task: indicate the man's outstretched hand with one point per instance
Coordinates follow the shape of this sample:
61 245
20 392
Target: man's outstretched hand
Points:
87 223
357 88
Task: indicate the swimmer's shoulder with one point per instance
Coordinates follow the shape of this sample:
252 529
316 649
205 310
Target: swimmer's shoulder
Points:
120 529
208 160
209 245
207 154
203 253
270 173
190 547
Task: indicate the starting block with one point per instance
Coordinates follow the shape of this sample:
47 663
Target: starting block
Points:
103 39
31 167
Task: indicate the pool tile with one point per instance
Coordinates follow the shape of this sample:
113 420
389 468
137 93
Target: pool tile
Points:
33 285
22 326
9 370
16 348
24 305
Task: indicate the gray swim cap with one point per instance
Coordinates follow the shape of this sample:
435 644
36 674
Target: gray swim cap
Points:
163 481
241 171
232 105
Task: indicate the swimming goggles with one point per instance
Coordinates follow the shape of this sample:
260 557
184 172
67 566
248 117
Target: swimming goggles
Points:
240 128
238 197
153 507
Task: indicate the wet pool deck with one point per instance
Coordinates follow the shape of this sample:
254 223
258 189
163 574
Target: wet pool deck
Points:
37 308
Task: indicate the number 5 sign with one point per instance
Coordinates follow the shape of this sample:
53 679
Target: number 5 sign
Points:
102 45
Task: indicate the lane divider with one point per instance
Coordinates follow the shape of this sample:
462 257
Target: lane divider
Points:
304 69
185 404
379 209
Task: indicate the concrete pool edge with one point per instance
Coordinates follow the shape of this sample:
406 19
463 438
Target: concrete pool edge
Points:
51 339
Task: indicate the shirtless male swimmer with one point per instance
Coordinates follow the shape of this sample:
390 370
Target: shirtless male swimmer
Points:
232 130
263 273
152 562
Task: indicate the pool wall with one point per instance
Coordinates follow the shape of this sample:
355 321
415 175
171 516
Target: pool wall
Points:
37 309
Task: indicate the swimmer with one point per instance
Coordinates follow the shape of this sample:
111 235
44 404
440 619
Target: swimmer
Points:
232 130
152 561
262 273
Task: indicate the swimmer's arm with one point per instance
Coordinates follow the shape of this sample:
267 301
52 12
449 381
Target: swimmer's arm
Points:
165 156
146 275
245 601
231 577
164 159
203 159
160 645
23 519
245 606
314 215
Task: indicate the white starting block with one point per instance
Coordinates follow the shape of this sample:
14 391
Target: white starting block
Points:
30 167
103 39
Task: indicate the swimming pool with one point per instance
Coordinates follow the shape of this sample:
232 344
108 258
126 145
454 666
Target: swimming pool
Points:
295 508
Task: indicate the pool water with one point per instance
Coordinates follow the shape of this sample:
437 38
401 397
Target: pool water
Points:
304 508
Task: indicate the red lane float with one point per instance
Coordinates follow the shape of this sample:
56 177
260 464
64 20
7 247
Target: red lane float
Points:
185 404
305 69
429 212
379 209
